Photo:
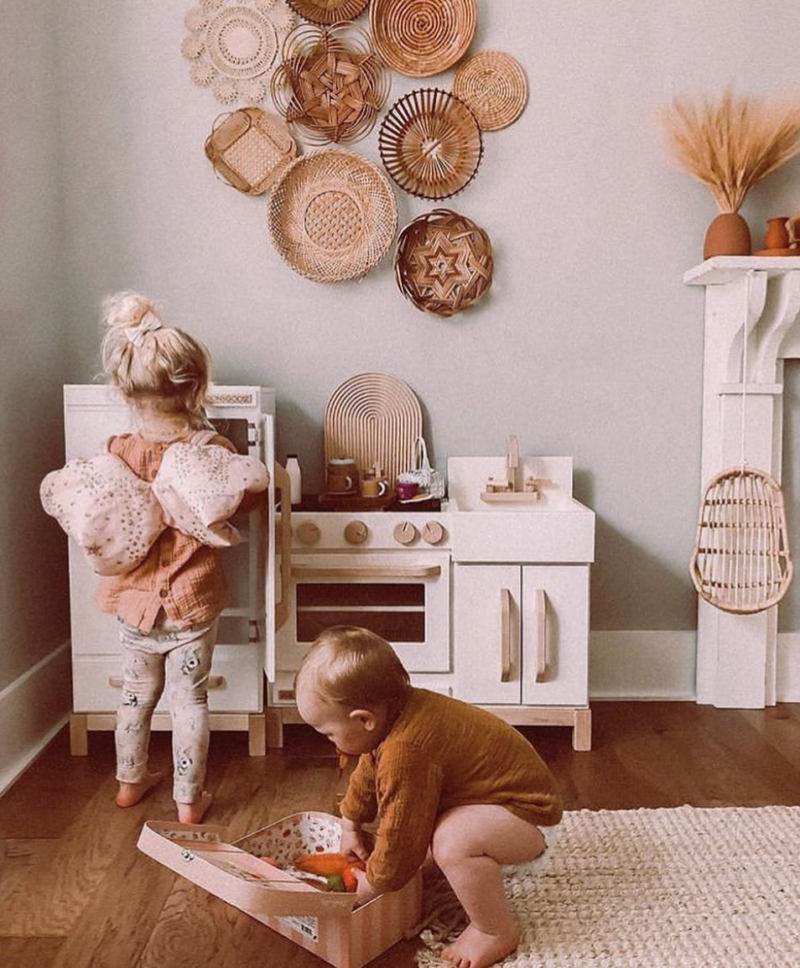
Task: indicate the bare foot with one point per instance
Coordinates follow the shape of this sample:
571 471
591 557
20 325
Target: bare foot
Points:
474 948
194 812
131 793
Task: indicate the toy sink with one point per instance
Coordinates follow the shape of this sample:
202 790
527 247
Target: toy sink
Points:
327 924
548 525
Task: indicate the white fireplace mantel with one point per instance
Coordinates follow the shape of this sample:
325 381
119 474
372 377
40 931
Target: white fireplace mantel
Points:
757 298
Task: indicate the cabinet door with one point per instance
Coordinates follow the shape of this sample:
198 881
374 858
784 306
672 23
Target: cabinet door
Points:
555 622
486 633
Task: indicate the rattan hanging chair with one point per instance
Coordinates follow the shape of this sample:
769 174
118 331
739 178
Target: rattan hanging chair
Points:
741 561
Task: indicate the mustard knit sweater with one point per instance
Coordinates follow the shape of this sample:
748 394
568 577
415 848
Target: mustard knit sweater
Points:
442 753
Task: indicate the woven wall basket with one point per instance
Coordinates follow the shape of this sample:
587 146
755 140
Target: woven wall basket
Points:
443 262
431 144
250 149
493 86
330 83
332 216
741 561
419 38
374 418
327 12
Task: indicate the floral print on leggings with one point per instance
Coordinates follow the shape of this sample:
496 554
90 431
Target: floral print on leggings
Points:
176 662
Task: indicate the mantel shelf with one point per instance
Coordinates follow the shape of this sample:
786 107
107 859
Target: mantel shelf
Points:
724 268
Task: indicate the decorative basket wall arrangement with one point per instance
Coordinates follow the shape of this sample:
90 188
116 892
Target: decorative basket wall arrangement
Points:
741 561
493 86
419 38
250 149
332 216
233 45
330 83
431 144
327 12
373 417
443 262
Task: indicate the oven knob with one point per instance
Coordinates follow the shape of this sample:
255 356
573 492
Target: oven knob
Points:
405 533
356 532
308 533
432 532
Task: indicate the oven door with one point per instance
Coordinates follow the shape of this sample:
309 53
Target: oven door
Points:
403 597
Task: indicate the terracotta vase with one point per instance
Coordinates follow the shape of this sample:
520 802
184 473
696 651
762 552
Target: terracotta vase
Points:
728 234
777 236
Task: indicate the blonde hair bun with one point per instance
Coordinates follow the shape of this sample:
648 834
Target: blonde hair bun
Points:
126 309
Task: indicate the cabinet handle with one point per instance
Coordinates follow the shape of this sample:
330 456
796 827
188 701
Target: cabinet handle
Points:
540 632
284 486
422 571
505 634
214 682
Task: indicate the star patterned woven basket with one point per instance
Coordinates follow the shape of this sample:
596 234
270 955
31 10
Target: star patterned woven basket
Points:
443 262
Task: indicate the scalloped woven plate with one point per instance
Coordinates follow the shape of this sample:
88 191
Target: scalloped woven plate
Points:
422 37
327 12
430 143
493 86
332 216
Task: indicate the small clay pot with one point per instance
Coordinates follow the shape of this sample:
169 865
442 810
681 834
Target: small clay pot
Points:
777 236
728 234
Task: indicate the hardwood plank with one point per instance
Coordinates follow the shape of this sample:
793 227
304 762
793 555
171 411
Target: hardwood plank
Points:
30 952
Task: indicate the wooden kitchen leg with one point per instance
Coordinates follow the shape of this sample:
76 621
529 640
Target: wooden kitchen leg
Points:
274 720
257 734
582 730
78 734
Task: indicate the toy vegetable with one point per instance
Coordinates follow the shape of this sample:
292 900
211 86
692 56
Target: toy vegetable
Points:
332 865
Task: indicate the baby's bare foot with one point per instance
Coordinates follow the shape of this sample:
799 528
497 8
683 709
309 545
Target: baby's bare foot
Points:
131 793
194 812
474 948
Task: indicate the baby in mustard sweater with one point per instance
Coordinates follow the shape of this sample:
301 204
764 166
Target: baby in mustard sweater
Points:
437 773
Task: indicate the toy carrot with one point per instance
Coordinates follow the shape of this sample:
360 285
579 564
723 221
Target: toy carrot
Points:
327 865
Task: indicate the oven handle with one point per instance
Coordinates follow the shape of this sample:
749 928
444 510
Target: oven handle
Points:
505 634
421 571
283 484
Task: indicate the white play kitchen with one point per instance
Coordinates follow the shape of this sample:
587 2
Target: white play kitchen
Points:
482 588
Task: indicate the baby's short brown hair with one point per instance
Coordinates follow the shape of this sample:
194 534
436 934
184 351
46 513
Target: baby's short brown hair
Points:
354 667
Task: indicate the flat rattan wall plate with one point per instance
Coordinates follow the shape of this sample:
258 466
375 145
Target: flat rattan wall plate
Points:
430 143
373 418
331 83
419 38
326 12
332 216
443 262
741 561
233 45
250 149
493 86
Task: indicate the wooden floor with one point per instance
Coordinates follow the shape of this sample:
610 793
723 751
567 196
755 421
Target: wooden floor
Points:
75 892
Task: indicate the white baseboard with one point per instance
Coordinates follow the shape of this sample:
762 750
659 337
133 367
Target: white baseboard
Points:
33 708
642 665
788 667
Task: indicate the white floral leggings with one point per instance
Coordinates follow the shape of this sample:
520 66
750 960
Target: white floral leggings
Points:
180 661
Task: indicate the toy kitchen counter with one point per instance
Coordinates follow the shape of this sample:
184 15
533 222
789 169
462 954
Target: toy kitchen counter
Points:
484 595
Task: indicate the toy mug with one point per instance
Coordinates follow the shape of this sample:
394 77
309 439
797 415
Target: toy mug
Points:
407 489
342 475
372 486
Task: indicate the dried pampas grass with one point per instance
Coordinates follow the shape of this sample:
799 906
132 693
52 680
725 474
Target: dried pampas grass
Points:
732 145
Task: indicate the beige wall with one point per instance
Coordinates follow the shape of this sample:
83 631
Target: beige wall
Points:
589 344
34 335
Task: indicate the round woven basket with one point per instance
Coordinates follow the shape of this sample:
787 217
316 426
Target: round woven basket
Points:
332 216
493 86
419 38
331 83
443 262
250 149
326 12
431 144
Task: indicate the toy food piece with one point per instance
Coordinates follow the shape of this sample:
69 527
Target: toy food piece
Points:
334 883
331 866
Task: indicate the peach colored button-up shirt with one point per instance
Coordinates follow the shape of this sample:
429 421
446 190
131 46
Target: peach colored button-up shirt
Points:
180 575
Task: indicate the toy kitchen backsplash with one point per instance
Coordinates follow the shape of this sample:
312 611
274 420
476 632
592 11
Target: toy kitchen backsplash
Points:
479 577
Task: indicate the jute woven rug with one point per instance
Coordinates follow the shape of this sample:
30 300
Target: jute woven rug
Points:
665 888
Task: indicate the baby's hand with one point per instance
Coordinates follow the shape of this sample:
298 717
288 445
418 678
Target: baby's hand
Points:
354 841
365 891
